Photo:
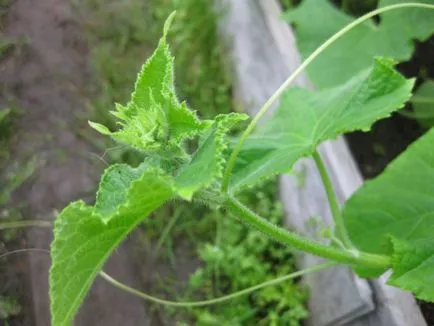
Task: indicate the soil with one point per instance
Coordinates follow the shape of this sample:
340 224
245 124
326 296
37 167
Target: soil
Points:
43 78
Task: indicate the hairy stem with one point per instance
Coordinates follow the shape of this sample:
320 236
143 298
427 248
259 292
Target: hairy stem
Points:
299 242
291 78
231 296
341 231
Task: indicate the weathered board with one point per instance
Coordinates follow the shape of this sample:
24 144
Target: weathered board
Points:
264 54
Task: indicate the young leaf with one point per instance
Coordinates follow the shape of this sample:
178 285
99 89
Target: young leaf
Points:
304 119
317 20
154 120
156 75
85 236
114 187
208 162
399 204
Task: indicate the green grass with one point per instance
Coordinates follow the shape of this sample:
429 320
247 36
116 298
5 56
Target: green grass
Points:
8 308
122 34
12 175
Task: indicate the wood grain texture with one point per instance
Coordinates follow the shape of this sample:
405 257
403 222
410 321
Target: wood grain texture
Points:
264 54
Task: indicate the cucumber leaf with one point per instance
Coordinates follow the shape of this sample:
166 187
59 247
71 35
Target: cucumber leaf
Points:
85 236
154 121
304 119
317 20
399 205
208 162
114 186
414 267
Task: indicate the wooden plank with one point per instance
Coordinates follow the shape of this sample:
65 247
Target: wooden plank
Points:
264 53
393 306
259 70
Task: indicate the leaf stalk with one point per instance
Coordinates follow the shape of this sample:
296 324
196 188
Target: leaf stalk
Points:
341 231
299 242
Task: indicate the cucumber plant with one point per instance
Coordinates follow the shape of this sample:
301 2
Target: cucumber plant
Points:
316 20
386 225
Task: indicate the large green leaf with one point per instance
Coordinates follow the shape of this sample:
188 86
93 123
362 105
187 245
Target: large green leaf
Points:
399 204
413 267
316 20
154 120
208 162
85 236
304 119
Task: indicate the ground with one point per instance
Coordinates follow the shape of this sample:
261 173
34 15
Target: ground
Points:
44 77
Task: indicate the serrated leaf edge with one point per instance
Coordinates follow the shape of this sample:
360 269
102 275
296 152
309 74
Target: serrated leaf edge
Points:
384 62
396 282
82 206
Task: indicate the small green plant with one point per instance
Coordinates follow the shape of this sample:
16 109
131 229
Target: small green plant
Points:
242 258
387 224
9 307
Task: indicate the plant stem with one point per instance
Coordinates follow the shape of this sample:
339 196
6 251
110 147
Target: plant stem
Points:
18 251
29 223
218 232
304 244
187 304
167 230
341 231
126 288
291 78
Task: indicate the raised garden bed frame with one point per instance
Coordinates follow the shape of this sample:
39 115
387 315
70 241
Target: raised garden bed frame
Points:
264 54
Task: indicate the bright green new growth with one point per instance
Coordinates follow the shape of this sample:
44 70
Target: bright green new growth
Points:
157 124
208 162
154 121
393 36
305 119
